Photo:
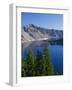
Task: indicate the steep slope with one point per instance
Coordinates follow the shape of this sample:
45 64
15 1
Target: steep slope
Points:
34 33
25 37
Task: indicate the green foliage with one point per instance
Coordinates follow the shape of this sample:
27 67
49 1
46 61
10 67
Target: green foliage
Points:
30 63
46 62
24 68
43 65
39 65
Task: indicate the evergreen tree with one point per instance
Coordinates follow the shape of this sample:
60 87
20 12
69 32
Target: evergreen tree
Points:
24 68
43 65
38 64
30 63
47 65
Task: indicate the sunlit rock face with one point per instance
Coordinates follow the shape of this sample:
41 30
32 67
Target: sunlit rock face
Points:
35 33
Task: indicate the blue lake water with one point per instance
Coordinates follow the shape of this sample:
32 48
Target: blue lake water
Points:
56 53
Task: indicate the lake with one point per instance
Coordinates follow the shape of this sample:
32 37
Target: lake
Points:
55 50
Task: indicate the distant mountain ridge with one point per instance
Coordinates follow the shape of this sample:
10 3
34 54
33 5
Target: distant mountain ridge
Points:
32 32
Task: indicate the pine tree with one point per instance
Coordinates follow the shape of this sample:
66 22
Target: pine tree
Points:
47 65
38 64
30 63
24 68
43 65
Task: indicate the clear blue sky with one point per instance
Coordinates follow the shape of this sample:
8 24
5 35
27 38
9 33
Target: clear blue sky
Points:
51 21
